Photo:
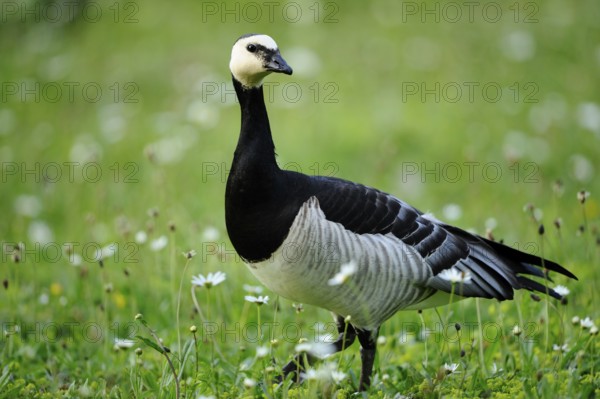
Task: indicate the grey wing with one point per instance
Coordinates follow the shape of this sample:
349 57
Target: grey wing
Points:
496 270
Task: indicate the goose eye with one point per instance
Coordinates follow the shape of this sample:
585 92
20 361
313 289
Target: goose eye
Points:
251 48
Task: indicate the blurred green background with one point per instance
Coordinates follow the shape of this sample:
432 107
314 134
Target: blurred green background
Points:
123 120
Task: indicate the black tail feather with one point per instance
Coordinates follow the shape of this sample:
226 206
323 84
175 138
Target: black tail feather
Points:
535 286
528 260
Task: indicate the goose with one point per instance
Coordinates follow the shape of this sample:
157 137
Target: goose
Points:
295 232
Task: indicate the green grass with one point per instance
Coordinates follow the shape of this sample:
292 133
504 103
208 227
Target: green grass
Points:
162 143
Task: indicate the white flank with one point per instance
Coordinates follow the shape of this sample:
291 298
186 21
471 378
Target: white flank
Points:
389 275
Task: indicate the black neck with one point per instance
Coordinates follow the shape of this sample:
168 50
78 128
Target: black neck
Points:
253 185
255 133
261 200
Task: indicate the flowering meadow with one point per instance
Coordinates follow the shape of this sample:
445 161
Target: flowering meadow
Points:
118 123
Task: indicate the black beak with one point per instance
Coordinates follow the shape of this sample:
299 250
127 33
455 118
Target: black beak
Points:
278 64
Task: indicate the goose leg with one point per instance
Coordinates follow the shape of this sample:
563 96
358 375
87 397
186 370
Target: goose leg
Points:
346 336
300 362
368 343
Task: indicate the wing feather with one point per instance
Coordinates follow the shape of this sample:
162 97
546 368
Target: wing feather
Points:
495 268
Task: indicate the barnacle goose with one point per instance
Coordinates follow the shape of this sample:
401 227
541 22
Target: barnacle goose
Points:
295 231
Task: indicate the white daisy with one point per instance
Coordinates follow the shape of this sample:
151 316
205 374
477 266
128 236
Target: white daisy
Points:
325 373
450 368
311 375
318 349
560 348
75 259
582 196
252 289
259 300
189 254
210 234
159 243
141 237
338 376
302 347
106 251
346 270
587 323
121 343
299 307
209 281
249 383
262 351
517 330
44 299
455 276
562 290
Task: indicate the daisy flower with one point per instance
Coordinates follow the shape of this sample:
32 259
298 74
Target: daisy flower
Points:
325 373
259 300
455 276
262 351
346 271
517 330
141 237
209 281
249 383
450 368
338 376
562 290
189 254
106 251
121 343
159 243
210 234
582 196
253 289
318 349
560 348
587 323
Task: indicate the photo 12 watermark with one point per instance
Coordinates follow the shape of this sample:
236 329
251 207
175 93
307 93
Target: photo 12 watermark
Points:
453 12
69 172
469 92
28 91
75 253
52 332
253 333
275 92
469 172
219 171
290 12
60 12
331 253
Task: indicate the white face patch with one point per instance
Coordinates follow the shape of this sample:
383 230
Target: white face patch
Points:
248 68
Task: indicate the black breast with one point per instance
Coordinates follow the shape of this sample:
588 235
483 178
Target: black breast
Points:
259 212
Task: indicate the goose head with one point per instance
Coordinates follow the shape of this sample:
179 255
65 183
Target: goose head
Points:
255 56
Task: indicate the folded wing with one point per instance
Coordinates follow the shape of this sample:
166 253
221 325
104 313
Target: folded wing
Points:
496 270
